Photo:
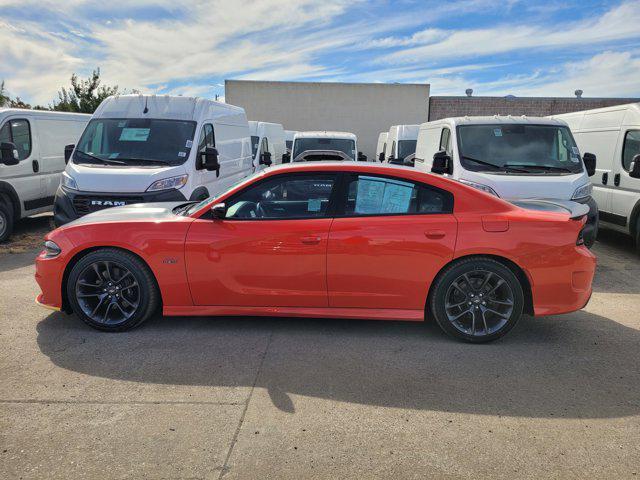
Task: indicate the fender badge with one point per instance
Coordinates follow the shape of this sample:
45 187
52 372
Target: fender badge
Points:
170 260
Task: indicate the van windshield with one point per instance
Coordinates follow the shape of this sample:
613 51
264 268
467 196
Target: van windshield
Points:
344 145
135 141
501 148
406 148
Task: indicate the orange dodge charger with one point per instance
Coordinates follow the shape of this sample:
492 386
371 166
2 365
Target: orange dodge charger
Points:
348 240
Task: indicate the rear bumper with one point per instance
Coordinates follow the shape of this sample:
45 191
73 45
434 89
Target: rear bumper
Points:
72 204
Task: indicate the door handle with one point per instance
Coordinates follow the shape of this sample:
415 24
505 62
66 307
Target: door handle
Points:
435 234
36 166
605 178
310 240
616 179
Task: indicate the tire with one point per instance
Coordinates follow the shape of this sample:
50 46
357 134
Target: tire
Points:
477 300
637 237
6 220
126 299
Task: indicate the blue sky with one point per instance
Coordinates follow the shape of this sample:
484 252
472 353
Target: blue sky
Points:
189 47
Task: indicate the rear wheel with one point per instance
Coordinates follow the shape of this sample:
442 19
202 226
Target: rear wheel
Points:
477 300
6 219
112 290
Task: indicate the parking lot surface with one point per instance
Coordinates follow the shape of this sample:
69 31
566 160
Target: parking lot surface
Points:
559 397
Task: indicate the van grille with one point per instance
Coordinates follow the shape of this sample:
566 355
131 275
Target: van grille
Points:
84 204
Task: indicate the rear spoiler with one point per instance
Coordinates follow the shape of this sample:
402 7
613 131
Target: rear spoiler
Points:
574 209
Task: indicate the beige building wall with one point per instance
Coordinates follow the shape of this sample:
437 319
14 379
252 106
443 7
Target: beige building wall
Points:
365 109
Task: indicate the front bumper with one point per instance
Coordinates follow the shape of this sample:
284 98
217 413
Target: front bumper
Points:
72 204
591 229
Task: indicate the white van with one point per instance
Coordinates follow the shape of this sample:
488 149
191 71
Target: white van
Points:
148 148
381 147
323 145
613 134
402 144
515 158
32 159
267 144
288 139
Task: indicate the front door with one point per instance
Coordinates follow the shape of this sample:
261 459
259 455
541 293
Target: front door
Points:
625 192
387 242
269 250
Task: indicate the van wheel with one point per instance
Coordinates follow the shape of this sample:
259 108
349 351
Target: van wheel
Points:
477 300
6 220
638 236
112 290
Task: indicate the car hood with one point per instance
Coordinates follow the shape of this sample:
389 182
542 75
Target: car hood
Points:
153 212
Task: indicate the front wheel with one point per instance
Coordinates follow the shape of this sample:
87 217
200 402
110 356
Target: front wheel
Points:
6 220
112 290
477 300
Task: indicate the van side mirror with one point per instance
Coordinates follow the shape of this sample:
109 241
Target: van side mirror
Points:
441 163
589 160
210 160
265 159
409 161
219 211
9 154
362 157
286 157
391 159
68 150
634 168
381 157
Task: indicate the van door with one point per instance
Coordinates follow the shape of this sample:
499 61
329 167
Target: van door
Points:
234 155
626 190
24 177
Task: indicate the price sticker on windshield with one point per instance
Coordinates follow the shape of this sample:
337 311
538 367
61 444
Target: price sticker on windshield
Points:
497 132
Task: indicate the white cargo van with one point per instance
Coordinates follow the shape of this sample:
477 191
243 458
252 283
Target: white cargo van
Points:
381 147
323 145
32 158
148 148
402 144
267 144
613 134
288 139
516 158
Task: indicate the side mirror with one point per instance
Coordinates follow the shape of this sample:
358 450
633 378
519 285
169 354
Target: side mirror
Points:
409 161
210 160
265 159
634 170
589 160
9 154
219 211
362 157
441 163
391 159
381 157
286 157
68 150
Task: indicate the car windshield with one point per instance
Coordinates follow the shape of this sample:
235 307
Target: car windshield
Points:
135 141
345 145
521 148
406 148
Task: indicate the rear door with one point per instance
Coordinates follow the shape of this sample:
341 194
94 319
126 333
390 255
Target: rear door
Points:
388 240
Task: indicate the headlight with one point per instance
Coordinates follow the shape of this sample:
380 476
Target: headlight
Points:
583 191
68 181
51 249
167 183
480 186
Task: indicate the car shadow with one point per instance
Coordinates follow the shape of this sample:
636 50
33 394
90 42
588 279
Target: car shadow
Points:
575 366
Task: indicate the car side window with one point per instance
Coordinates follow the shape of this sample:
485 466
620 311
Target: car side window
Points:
378 195
631 148
18 132
284 197
445 143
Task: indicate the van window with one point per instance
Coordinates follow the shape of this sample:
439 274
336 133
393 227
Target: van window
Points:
393 148
207 138
378 195
344 145
135 141
255 141
18 132
406 148
631 148
518 147
265 145
445 140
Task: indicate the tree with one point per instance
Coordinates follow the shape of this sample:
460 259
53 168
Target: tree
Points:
7 101
84 96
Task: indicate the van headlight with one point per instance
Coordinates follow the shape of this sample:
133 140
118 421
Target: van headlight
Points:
582 192
68 181
480 186
167 183
51 249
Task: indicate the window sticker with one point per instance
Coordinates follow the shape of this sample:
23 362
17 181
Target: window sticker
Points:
314 204
134 134
182 154
114 155
188 144
497 132
575 159
575 150
122 124
377 195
